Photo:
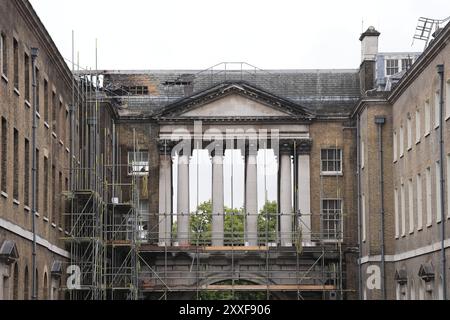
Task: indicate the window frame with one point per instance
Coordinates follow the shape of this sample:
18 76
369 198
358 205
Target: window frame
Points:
4 56
335 161
390 68
339 231
139 164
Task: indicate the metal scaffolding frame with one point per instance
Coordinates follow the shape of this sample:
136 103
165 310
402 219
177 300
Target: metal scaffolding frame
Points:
117 262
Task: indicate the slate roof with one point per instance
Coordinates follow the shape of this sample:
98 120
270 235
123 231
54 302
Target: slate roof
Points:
323 92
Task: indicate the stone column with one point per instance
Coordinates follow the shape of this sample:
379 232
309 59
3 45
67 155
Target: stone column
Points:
286 211
165 198
304 189
217 198
251 196
183 200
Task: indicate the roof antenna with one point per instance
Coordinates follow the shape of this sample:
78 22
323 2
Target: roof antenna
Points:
425 27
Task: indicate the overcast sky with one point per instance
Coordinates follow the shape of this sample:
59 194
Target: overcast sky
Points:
197 34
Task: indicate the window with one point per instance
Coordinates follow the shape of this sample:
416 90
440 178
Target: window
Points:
46 101
437 109
419 202
16 64
397 225
392 67
427 118
37 179
138 163
406 63
331 219
26 187
45 288
402 142
409 133
4 170
60 124
38 88
418 129
54 103
46 213
26 285
60 199
403 210
395 147
429 196
26 64
438 192
4 54
16 165
331 160
411 205
54 195
447 99
136 90
363 157
363 217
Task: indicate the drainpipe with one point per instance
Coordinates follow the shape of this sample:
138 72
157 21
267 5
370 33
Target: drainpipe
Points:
358 174
440 69
34 55
380 121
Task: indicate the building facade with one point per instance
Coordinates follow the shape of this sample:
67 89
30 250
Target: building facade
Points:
361 172
21 30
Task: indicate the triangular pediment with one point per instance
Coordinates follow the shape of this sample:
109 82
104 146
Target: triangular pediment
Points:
234 105
234 101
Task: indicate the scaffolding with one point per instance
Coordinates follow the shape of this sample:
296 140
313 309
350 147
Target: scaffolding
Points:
114 240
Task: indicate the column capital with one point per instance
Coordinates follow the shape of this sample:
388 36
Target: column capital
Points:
165 147
216 149
286 147
251 148
304 146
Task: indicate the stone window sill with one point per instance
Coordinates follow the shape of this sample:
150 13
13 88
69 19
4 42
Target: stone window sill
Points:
46 219
5 78
46 125
37 214
28 104
54 135
16 202
27 209
4 195
17 92
332 174
54 225
61 142
38 115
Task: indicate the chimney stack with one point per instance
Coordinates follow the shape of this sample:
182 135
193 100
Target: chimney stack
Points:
369 51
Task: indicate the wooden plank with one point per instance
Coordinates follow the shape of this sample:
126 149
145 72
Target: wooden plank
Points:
236 248
270 288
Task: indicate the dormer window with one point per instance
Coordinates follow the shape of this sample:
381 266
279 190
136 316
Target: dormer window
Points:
392 67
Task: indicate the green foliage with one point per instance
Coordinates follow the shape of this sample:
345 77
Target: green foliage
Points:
267 222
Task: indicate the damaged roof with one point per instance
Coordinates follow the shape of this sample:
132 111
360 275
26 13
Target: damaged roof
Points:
323 92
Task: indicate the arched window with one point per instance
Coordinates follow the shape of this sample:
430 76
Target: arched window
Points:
45 295
16 282
26 285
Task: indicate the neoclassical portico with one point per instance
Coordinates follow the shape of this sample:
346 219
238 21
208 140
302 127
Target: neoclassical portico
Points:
236 116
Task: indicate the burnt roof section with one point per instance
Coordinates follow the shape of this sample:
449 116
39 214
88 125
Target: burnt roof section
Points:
322 92
235 87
